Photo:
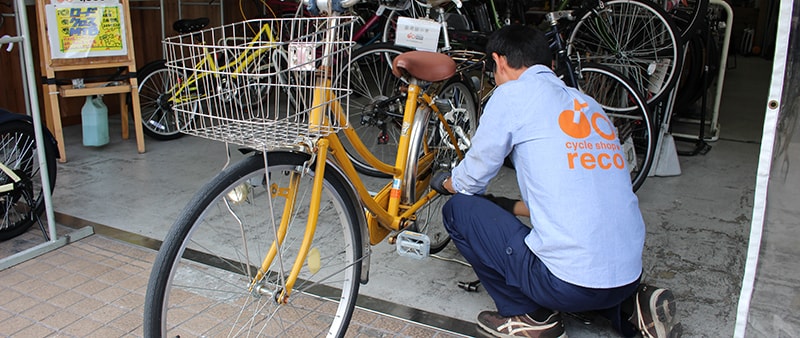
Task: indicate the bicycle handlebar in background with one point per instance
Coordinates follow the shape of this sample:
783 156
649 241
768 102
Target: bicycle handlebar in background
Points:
330 6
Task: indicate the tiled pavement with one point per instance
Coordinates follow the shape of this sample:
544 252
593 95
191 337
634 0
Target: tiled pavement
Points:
95 287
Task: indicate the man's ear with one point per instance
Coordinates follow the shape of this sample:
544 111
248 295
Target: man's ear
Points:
498 60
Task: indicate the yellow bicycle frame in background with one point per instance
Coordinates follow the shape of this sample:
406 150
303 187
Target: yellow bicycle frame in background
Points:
251 51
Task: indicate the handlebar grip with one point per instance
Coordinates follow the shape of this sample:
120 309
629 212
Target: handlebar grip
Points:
335 5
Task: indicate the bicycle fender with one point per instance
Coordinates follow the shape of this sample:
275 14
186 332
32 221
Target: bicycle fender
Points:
6 116
366 248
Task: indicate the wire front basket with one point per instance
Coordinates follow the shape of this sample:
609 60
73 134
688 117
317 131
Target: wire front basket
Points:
264 83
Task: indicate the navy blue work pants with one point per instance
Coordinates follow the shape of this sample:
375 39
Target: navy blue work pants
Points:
493 241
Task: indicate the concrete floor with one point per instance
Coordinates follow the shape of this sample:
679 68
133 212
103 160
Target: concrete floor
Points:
698 222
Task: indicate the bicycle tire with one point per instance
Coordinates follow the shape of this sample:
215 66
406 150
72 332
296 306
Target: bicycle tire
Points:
458 105
637 38
22 206
629 113
689 19
200 277
158 118
700 67
375 105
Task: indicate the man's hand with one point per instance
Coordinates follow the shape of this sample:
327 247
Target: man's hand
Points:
506 203
437 182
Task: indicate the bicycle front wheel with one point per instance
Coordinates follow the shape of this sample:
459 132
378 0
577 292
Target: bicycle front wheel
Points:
628 112
203 281
636 38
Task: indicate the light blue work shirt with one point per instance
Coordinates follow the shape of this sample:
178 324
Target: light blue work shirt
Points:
587 226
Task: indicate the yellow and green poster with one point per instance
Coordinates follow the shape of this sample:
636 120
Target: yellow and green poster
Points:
86 29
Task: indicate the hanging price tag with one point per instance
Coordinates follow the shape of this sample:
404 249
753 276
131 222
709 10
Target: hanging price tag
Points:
417 33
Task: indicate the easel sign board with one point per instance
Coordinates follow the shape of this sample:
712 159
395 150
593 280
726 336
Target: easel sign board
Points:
78 35
81 29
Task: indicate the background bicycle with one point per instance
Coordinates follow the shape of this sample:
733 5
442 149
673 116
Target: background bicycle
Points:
155 79
376 118
21 200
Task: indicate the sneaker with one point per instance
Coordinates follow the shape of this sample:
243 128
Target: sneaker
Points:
655 312
521 326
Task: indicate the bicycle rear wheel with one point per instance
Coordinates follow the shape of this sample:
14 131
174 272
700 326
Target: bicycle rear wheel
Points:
376 106
25 203
628 112
201 278
636 38
156 82
434 150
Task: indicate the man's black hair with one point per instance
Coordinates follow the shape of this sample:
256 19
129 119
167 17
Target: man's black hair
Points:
522 46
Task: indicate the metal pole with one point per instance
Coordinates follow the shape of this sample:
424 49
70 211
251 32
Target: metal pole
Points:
33 97
723 64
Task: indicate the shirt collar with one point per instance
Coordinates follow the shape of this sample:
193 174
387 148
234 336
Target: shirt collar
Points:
538 69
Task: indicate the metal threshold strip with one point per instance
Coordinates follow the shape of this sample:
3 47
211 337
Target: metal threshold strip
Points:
426 318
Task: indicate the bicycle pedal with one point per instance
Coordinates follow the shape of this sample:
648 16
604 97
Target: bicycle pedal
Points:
413 244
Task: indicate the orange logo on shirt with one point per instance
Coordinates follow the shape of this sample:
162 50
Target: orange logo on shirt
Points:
585 154
569 125
575 124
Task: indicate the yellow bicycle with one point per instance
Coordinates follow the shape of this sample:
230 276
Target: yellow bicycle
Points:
277 244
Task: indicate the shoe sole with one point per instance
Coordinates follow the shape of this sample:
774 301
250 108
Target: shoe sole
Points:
665 309
484 333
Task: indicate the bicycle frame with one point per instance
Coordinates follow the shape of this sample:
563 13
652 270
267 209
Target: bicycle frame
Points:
11 174
389 209
318 119
238 64
390 217
375 19
557 44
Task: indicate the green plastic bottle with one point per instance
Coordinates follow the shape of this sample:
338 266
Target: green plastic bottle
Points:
94 117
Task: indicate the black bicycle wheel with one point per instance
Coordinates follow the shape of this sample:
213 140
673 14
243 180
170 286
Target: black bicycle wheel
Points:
689 17
636 38
204 280
629 113
24 203
158 117
700 68
375 106
435 150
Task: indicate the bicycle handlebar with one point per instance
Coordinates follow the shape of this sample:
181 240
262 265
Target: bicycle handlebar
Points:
553 17
328 6
439 3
